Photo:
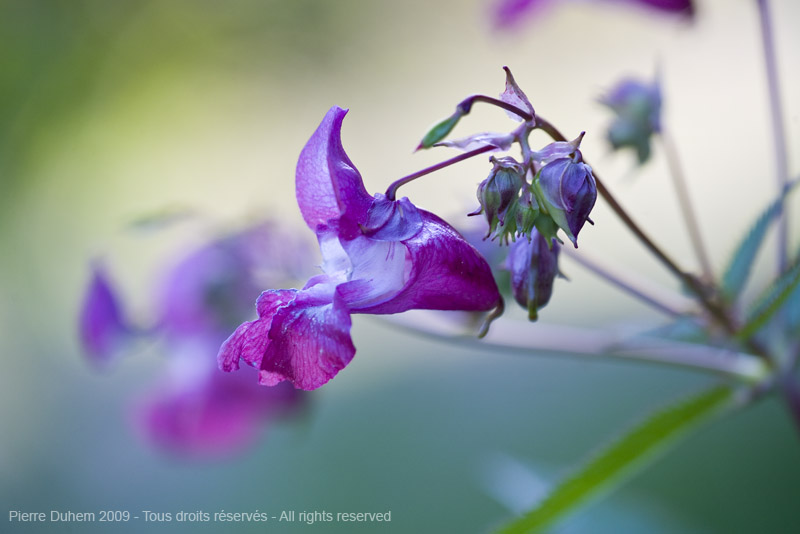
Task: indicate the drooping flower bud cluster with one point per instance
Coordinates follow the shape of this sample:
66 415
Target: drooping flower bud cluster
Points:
548 190
561 194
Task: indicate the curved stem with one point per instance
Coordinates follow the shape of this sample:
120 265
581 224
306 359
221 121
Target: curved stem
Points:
466 105
546 339
391 191
685 202
776 115
625 283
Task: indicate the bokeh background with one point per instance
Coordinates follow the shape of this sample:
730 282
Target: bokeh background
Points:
115 111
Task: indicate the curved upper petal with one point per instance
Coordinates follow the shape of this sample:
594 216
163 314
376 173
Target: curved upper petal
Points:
309 343
327 183
446 273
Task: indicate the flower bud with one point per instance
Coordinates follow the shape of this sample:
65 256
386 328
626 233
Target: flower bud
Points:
567 191
533 266
637 106
499 197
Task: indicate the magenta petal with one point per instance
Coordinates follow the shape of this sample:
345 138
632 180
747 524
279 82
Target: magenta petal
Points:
217 416
309 343
327 184
447 273
250 340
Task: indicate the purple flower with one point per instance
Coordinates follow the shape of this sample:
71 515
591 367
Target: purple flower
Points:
637 106
103 329
379 256
533 266
195 410
508 13
199 412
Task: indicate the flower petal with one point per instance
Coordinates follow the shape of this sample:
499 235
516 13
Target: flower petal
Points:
392 220
327 183
309 343
501 141
250 340
218 415
515 96
446 273
102 326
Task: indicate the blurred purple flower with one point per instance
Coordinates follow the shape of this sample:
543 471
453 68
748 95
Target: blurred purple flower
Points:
508 13
102 327
379 256
195 410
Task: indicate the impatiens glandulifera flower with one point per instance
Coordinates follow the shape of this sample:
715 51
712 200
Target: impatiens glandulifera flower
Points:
508 13
533 266
637 106
103 328
566 191
379 257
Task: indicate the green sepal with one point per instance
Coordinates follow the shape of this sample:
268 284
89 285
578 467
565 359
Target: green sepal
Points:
441 130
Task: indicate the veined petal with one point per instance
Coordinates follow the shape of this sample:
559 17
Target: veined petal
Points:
327 183
250 340
446 273
309 343
515 96
501 141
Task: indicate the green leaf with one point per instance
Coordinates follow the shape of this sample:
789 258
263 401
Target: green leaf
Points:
440 130
770 302
632 452
741 263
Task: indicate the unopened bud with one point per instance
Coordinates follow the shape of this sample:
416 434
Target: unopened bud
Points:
533 266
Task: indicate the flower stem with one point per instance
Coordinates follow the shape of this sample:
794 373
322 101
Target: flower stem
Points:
546 339
778 131
466 105
685 202
391 191
624 282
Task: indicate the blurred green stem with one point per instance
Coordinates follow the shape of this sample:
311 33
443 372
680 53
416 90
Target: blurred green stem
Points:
685 202
778 130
